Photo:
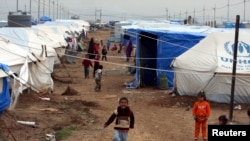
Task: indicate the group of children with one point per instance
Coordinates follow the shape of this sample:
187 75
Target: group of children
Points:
97 71
123 115
124 118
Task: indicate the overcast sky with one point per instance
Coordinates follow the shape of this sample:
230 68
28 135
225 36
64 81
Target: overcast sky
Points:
132 9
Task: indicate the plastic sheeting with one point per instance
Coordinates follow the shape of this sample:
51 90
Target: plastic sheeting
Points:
4 93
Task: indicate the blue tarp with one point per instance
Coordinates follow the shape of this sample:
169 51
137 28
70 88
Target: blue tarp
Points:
45 18
159 48
4 94
34 22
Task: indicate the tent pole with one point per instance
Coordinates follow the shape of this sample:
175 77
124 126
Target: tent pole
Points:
234 66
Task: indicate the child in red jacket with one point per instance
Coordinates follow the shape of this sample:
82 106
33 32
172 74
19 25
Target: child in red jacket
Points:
124 120
86 63
201 112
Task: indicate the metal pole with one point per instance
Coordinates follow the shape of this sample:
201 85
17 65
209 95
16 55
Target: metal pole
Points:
17 5
60 11
194 17
244 9
166 14
38 17
57 10
100 16
43 7
49 8
53 10
234 65
95 15
203 15
30 6
180 16
214 15
228 10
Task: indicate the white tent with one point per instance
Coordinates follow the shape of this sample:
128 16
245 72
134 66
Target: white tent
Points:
208 66
29 41
81 24
47 34
31 73
75 28
19 55
54 35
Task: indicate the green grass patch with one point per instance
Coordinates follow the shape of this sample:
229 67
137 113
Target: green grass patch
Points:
64 133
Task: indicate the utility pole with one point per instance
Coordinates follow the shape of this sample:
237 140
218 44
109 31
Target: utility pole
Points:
228 10
38 16
68 14
100 14
30 6
57 10
203 15
95 15
17 5
244 9
60 11
53 9
186 14
194 17
180 16
49 8
43 7
214 15
166 14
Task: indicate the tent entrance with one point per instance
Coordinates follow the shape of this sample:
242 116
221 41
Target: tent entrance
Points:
147 59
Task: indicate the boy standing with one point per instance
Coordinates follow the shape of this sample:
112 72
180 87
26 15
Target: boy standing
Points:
98 78
86 63
124 120
201 112
104 53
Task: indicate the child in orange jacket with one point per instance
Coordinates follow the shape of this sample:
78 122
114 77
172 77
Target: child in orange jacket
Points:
201 112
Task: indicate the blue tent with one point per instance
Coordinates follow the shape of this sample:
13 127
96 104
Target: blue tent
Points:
45 19
155 51
4 94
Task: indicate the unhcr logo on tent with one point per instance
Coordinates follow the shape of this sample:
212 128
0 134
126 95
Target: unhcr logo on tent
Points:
243 56
243 49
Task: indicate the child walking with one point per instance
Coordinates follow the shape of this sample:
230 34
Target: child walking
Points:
104 53
201 112
98 78
86 63
96 64
124 120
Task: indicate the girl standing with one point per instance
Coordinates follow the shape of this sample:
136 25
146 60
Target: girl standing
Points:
201 112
